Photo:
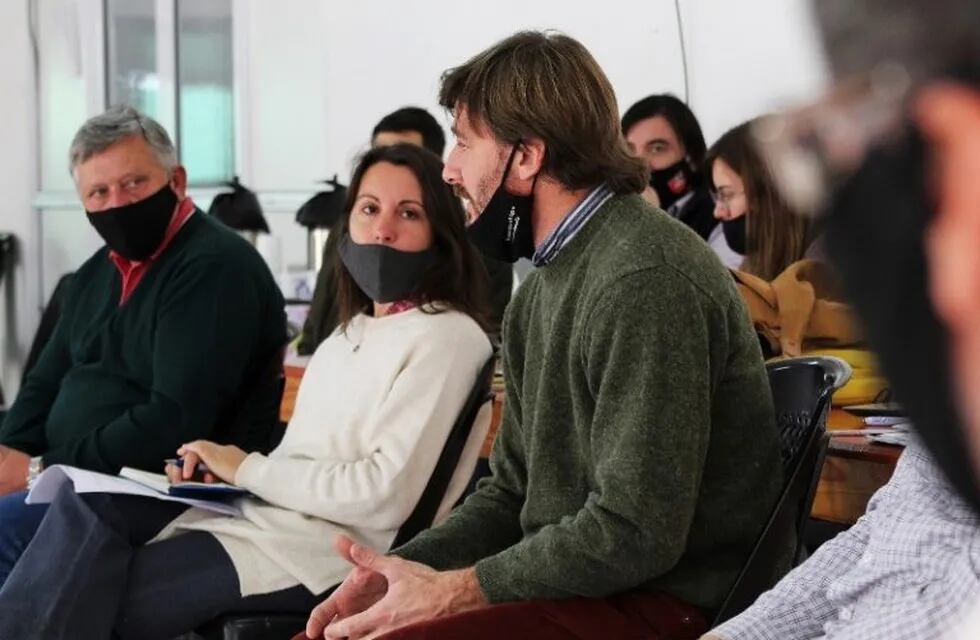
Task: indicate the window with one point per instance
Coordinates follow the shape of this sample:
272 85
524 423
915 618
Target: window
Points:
68 59
204 89
172 59
132 75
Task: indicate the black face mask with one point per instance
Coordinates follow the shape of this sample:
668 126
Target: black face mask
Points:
385 274
735 234
673 182
503 230
875 234
136 230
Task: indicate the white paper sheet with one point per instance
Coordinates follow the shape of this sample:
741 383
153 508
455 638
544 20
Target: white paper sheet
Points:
45 487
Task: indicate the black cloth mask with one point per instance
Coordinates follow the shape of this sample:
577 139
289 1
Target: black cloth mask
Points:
735 234
385 274
876 225
136 230
503 230
673 183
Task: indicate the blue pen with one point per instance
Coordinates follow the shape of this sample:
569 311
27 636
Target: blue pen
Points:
179 463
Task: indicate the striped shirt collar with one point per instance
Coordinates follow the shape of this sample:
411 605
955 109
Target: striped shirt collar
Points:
571 225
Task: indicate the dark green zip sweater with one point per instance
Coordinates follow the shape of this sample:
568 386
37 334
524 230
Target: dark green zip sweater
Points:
638 447
187 356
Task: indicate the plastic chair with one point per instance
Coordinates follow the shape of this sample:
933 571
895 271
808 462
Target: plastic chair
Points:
8 246
801 389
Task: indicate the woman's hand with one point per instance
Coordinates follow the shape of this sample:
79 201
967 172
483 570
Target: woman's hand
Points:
190 469
221 460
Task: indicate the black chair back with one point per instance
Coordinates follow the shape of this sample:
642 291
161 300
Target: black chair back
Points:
49 320
801 389
424 513
8 245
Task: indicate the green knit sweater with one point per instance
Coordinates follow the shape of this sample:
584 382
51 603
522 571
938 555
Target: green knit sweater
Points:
185 357
638 447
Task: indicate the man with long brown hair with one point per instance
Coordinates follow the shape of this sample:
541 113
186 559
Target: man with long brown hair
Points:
638 457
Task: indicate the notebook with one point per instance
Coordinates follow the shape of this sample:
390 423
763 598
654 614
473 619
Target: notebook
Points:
876 409
197 490
45 488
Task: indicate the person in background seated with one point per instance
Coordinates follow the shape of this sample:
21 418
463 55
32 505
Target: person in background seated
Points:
663 132
637 459
757 221
374 409
411 125
171 332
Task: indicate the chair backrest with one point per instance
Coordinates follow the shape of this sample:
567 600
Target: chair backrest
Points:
801 392
425 510
49 320
801 389
7 247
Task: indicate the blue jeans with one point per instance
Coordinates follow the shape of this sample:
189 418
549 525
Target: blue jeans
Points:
18 524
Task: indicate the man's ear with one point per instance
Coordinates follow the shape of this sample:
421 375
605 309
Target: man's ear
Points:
530 158
178 180
949 118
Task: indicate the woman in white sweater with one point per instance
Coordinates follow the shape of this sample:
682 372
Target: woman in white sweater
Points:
373 411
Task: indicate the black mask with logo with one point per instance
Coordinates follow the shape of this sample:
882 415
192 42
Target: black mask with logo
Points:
135 231
673 183
503 230
385 274
735 234
876 225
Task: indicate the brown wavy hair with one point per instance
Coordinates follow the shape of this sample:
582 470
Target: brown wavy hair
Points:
458 280
775 234
547 85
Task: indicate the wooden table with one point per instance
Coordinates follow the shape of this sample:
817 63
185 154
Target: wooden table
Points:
288 403
498 413
853 470
863 449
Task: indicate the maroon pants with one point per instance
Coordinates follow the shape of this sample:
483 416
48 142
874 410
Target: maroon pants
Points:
634 615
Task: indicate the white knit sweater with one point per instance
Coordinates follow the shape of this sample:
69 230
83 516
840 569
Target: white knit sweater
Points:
372 415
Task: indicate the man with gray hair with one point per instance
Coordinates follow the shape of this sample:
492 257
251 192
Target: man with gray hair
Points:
170 333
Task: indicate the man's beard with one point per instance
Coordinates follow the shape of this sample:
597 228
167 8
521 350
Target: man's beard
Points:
474 206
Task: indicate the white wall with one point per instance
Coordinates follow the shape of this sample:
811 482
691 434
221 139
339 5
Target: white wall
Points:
348 64
749 57
383 55
18 171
